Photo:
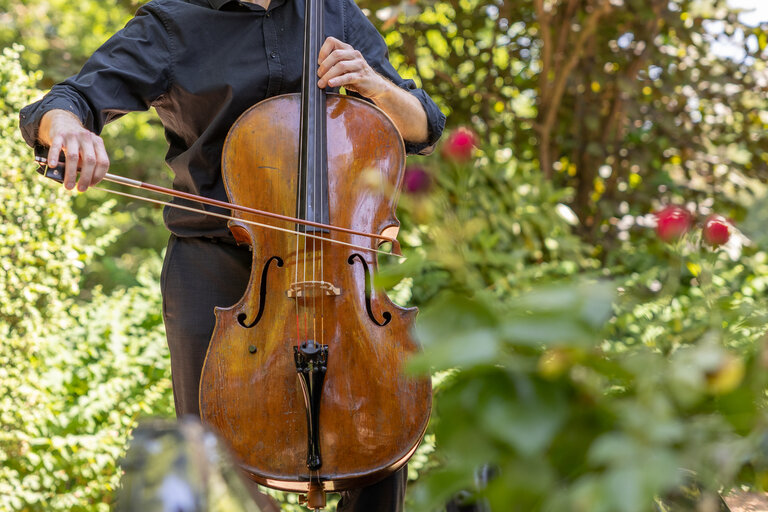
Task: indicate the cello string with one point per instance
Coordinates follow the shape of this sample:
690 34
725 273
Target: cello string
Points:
297 231
305 140
317 212
314 103
296 280
297 228
321 163
296 273
304 260
324 196
322 267
244 221
312 150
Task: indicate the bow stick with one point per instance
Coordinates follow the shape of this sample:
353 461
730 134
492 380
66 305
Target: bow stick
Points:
57 174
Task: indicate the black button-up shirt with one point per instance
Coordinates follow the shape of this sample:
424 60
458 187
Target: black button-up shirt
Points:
202 63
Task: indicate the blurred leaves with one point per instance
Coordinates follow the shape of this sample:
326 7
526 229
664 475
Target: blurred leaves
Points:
584 387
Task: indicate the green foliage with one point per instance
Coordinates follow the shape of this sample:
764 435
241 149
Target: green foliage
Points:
58 37
73 377
83 386
579 394
43 249
620 101
680 293
496 225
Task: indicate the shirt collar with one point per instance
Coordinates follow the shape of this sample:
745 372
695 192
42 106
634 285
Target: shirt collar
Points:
218 4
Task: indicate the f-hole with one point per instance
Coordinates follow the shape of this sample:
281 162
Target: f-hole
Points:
262 294
386 315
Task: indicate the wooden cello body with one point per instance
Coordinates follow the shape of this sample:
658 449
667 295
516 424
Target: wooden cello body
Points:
349 416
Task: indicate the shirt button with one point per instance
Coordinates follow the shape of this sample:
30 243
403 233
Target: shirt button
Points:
273 54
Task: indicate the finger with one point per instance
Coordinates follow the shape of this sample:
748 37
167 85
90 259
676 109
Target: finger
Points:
102 161
330 44
87 164
348 81
54 152
343 68
334 58
72 152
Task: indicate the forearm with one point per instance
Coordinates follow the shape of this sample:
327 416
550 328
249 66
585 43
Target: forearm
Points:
405 110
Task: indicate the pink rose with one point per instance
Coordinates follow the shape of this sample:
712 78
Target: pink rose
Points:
459 145
716 230
672 223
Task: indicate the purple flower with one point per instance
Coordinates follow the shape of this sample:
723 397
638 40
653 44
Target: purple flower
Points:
416 180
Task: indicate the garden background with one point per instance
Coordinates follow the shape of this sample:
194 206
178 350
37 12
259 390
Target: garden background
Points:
593 360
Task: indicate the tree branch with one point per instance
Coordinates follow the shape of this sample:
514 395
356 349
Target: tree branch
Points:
561 79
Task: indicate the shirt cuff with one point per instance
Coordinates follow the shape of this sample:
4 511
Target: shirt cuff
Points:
31 115
435 121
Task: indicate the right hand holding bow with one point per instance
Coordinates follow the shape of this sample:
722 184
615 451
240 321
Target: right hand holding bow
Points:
61 130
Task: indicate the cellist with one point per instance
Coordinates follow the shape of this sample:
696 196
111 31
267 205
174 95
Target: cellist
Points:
200 64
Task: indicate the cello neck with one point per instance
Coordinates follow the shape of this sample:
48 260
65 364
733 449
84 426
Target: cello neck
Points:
312 192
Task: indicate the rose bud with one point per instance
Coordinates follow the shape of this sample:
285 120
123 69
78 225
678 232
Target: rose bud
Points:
459 145
716 230
672 222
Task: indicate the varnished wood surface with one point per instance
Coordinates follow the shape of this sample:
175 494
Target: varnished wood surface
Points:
372 417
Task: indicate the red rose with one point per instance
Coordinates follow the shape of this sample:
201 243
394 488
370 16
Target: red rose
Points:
458 147
416 180
672 222
716 231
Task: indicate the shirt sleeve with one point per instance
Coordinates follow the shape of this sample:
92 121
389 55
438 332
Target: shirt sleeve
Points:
363 36
127 73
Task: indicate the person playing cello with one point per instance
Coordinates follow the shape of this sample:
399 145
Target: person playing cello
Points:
200 64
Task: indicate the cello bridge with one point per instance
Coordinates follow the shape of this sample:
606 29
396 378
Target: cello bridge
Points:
312 289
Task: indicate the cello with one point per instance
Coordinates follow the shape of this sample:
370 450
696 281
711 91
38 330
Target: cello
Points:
304 375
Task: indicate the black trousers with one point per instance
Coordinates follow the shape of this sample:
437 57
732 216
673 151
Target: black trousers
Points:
199 274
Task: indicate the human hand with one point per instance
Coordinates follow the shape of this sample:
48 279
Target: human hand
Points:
340 65
62 131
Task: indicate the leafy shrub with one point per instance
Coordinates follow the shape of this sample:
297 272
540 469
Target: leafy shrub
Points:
494 223
579 394
74 376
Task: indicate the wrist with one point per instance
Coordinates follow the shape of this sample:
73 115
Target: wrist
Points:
381 90
53 121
